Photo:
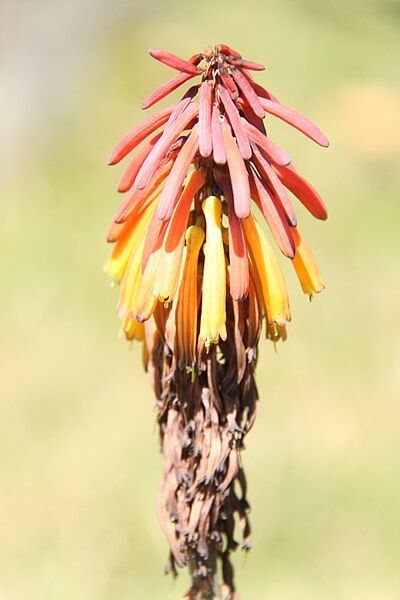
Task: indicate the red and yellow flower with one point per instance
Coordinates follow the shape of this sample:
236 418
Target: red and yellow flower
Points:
197 272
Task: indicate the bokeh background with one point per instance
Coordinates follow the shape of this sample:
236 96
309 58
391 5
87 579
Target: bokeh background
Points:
79 460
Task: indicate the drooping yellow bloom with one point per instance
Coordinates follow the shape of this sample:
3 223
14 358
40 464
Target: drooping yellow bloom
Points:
131 236
306 267
166 277
213 315
131 329
146 300
130 283
188 301
166 282
273 286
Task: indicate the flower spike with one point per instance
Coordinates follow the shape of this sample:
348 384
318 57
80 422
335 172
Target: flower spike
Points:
199 279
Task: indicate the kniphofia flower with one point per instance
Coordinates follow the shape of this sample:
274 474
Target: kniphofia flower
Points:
207 210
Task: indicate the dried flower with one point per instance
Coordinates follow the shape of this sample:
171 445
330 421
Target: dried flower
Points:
198 277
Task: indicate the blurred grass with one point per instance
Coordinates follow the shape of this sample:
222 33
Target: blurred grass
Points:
78 447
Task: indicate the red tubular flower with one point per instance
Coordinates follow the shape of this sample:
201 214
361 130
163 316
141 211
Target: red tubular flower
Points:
199 277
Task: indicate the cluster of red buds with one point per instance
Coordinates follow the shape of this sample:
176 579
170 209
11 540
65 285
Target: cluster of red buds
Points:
198 278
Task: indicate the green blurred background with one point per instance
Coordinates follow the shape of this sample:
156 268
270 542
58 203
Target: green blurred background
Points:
79 459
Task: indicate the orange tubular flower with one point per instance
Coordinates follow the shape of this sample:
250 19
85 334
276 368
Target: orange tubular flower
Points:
198 277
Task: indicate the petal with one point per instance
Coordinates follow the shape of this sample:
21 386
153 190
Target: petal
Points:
248 92
246 64
132 233
170 85
178 173
174 61
251 117
169 136
212 322
219 154
259 89
264 261
166 281
132 169
224 49
238 260
135 199
138 134
188 299
114 231
130 283
154 238
166 89
274 183
132 330
238 173
229 84
274 216
236 123
146 301
205 107
303 190
179 219
267 146
306 267
296 120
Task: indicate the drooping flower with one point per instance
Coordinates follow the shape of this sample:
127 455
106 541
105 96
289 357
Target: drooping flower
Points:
198 277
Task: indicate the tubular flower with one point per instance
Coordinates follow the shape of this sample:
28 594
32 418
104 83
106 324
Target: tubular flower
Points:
198 277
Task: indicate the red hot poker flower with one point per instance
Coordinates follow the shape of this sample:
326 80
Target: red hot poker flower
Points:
198 279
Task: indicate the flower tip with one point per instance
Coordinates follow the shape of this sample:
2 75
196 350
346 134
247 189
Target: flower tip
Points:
139 318
162 212
243 210
325 143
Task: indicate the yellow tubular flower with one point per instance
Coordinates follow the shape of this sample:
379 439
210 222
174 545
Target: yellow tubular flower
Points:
306 267
131 329
167 275
188 304
130 283
130 238
170 261
166 278
146 301
213 316
265 262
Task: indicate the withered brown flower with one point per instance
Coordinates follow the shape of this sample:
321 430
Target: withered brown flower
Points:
198 278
